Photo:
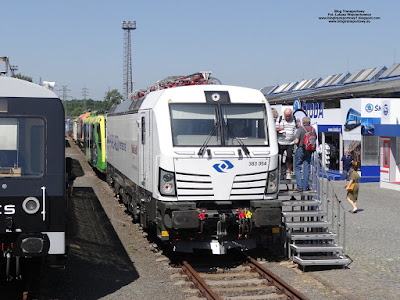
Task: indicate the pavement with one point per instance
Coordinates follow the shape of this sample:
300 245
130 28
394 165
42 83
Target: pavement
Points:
373 243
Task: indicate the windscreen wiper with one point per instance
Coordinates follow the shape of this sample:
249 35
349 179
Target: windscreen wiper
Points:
203 147
244 147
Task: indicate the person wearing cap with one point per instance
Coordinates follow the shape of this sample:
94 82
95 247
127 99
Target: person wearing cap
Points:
345 164
302 157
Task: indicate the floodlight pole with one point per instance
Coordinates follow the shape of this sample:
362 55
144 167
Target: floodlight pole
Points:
127 26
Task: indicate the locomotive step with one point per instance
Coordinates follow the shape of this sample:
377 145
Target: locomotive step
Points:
301 203
323 260
303 213
319 224
309 248
301 236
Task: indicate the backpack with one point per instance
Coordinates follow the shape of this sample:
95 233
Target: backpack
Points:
309 140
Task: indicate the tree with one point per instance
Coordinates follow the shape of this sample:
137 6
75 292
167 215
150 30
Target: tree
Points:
113 97
77 111
23 77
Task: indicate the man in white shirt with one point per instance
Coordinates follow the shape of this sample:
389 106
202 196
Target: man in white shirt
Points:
286 127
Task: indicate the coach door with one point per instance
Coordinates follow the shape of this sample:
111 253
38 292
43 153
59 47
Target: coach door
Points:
145 150
385 159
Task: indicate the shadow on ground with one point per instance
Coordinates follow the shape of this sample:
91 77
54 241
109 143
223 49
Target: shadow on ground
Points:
98 264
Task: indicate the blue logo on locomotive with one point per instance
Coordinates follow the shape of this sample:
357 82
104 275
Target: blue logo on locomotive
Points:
369 107
225 165
115 143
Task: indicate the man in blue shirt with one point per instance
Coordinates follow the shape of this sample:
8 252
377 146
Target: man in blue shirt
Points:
345 164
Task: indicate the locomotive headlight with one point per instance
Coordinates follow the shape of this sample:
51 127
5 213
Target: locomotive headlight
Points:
167 187
167 183
272 183
31 205
168 177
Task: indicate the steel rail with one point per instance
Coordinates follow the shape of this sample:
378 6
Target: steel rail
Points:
275 280
199 282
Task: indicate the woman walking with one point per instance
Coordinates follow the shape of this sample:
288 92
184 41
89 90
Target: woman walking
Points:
352 194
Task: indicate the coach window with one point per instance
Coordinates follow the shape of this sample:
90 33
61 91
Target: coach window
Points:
99 135
22 146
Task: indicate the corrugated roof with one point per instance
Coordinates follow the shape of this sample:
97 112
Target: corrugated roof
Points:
333 80
393 71
280 88
366 75
362 82
290 86
268 90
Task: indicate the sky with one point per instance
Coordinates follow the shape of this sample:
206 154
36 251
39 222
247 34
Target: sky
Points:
253 43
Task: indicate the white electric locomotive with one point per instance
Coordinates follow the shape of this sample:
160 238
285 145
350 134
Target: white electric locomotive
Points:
32 174
200 164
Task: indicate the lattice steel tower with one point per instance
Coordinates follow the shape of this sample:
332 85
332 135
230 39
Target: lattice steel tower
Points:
127 26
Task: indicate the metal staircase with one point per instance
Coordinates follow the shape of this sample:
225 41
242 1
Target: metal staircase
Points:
314 221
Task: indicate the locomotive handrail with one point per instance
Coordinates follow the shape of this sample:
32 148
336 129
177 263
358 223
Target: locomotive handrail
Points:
44 202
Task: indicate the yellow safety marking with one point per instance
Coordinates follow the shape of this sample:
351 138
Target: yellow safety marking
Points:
275 230
164 233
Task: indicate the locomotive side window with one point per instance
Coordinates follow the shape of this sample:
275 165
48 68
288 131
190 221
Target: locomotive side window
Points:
21 147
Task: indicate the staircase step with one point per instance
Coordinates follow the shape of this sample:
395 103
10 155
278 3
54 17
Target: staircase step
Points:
300 203
303 213
288 181
301 236
296 193
322 260
319 224
308 248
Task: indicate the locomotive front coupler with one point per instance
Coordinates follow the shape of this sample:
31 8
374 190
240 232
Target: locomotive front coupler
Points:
221 230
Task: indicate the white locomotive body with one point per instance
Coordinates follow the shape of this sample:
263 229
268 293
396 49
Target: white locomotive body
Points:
200 163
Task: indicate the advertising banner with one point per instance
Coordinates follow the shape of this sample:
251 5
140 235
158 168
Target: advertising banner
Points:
370 115
351 119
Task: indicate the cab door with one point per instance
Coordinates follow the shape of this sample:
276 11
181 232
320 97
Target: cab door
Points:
145 178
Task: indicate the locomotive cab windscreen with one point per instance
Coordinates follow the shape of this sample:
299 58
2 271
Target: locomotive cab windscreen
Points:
220 125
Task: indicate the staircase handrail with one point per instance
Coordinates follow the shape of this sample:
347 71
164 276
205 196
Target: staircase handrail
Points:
337 210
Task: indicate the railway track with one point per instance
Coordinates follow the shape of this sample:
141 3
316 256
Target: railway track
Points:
248 281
